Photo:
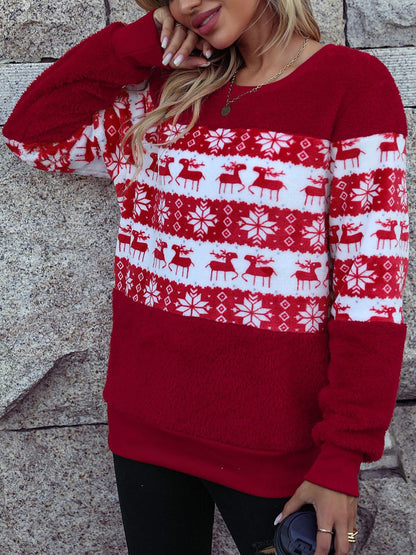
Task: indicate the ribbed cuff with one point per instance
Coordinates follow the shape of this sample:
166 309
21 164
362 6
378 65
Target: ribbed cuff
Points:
140 41
336 469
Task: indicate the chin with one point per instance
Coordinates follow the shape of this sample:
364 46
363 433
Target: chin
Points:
221 43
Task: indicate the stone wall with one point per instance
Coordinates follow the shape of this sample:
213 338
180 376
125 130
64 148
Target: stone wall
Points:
57 491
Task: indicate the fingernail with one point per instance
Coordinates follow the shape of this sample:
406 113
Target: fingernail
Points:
164 42
178 60
278 519
208 54
167 59
205 65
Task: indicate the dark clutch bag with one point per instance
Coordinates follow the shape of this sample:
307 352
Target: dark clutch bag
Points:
296 534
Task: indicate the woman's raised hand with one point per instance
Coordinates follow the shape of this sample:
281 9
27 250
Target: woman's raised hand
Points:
179 42
334 511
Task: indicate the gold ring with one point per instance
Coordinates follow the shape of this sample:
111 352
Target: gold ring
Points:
325 531
352 536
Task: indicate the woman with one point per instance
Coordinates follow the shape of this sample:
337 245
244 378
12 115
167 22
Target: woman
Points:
257 333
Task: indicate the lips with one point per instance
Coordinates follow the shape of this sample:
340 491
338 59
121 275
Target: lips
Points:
199 20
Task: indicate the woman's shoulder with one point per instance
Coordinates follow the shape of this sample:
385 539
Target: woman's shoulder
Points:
355 64
366 94
340 71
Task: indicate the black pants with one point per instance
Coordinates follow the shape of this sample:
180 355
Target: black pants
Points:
170 513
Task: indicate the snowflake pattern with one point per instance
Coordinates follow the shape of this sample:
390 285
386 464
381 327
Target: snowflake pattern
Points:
258 226
151 294
161 213
129 281
402 192
141 202
116 162
312 317
401 277
202 219
359 277
366 193
58 160
316 234
172 131
218 139
192 304
252 312
272 143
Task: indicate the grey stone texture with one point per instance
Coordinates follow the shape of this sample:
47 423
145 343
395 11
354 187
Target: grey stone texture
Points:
69 394
403 430
387 517
36 29
380 23
57 497
402 64
57 491
329 14
56 273
14 79
124 10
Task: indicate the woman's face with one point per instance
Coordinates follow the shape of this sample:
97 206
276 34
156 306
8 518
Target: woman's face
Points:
220 22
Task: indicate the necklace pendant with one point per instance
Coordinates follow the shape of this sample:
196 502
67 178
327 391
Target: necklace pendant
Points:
225 110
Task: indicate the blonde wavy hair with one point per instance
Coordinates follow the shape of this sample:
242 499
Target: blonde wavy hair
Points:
187 88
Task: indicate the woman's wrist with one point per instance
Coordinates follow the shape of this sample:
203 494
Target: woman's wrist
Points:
336 469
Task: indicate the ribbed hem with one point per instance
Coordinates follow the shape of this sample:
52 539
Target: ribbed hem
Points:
336 469
261 473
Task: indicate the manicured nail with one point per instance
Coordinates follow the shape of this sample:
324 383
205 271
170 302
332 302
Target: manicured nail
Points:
208 54
278 519
164 42
178 60
207 64
167 59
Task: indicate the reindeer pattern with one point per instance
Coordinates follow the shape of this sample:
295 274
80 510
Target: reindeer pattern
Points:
249 226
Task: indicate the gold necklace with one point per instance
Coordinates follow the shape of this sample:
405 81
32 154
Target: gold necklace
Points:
226 109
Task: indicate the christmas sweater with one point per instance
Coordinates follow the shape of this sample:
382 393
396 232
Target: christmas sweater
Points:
260 263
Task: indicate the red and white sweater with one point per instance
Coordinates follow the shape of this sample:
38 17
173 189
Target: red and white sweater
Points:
257 337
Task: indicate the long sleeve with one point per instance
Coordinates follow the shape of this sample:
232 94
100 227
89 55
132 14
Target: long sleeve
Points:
57 116
368 236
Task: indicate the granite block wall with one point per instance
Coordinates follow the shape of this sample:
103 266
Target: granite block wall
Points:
57 491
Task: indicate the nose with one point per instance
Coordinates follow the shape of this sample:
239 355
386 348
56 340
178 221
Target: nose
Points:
188 6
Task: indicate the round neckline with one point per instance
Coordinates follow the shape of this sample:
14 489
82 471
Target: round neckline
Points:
291 76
